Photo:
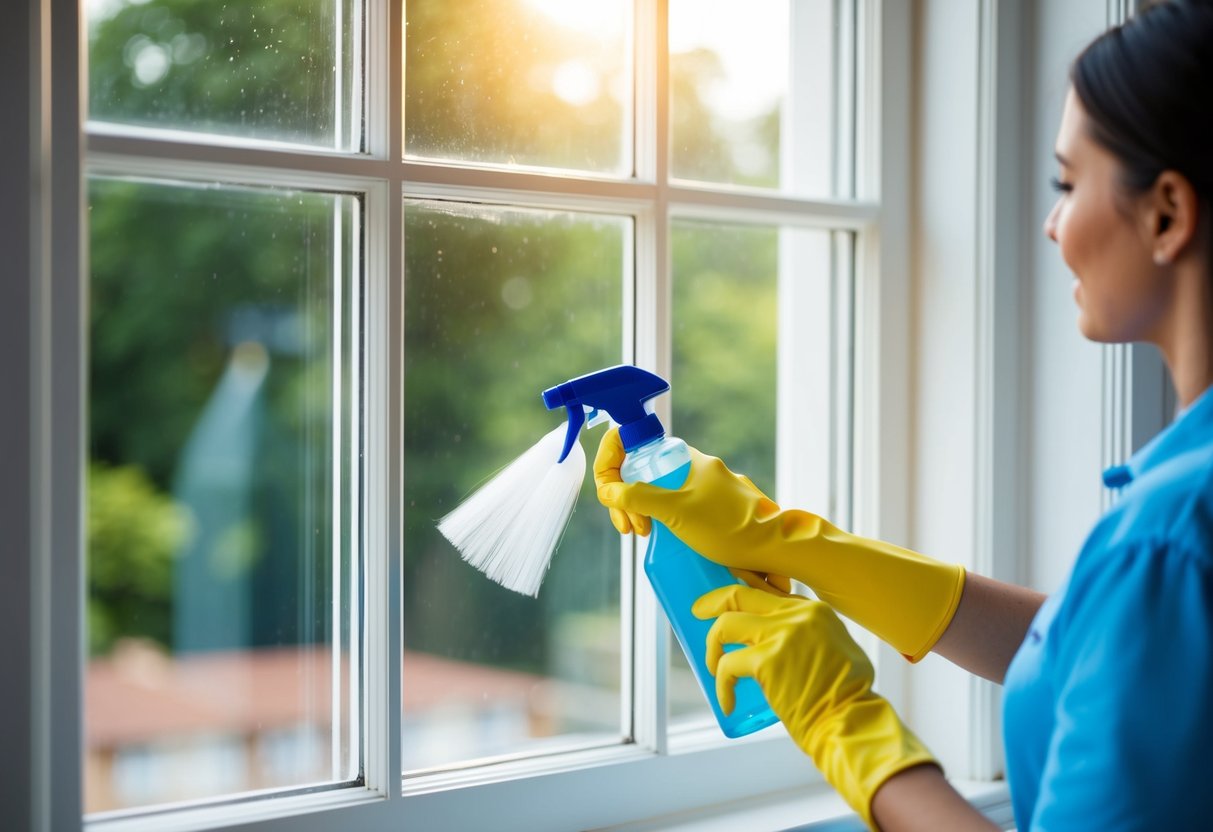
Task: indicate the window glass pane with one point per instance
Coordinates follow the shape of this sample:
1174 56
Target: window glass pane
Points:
753 307
746 109
723 376
282 70
502 304
222 483
544 83
724 342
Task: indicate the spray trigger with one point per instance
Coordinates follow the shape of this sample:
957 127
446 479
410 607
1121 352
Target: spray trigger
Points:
620 393
595 417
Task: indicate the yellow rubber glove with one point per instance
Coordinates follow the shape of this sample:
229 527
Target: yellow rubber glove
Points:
819 683
606 470
906 599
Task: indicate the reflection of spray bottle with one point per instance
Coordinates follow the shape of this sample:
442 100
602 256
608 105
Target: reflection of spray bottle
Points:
678 574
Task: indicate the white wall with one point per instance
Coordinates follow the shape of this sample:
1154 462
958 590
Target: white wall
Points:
944 336
1064 371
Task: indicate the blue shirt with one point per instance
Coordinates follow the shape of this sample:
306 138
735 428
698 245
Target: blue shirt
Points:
1108 708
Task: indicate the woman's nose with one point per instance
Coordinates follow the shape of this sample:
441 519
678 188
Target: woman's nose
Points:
1050 227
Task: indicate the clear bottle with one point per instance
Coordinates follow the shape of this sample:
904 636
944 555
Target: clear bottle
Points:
679 576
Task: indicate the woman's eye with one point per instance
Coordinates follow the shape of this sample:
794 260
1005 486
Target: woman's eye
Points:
1059 186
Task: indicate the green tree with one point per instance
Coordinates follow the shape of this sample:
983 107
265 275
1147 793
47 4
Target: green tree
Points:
265 68
133 531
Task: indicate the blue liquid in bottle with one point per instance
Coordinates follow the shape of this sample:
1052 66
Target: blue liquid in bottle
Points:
679 576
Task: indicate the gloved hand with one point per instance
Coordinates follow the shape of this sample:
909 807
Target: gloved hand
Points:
606 470
906 599
818 682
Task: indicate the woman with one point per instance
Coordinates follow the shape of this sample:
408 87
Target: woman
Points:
1108 715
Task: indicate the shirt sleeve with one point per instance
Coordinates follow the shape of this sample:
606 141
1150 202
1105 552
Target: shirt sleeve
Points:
1132 661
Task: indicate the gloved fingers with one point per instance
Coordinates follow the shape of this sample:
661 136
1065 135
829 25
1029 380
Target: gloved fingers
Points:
641 525
621 498
738 598
766 581
732 666
608 459
625 522
732 628
610 486
639 501
619 519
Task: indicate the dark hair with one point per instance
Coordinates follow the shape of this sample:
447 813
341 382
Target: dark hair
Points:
1147 88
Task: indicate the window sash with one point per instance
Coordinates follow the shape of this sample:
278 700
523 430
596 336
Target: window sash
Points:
762 763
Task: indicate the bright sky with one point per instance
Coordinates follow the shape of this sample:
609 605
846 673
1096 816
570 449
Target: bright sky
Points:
101 9
751 40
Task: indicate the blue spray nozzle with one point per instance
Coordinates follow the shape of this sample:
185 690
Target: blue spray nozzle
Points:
623 391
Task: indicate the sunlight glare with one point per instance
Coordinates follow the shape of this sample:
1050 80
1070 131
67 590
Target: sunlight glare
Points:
574 82
604 17
753 50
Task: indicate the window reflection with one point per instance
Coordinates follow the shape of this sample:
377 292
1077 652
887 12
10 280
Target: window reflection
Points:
223 447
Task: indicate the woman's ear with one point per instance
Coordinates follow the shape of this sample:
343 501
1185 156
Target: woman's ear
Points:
1171 216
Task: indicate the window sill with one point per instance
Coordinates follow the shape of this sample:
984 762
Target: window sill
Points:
817 808
610 787
300 812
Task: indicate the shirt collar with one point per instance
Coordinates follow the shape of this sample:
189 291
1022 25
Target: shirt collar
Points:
1191 428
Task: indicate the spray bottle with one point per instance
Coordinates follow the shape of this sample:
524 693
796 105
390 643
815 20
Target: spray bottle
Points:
677 573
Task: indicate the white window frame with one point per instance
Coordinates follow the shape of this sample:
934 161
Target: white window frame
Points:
595 788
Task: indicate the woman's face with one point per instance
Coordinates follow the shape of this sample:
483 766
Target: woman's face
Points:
1101 232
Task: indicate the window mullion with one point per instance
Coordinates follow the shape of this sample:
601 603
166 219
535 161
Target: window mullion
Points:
382 493
383 87
650 345
384 262
340 528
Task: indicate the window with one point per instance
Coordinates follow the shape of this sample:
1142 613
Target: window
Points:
226 408
224 448
335 255
536 250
